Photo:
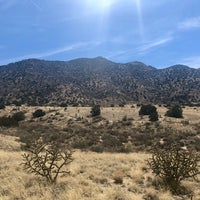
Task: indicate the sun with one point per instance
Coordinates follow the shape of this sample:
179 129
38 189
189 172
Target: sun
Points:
100 5
106 3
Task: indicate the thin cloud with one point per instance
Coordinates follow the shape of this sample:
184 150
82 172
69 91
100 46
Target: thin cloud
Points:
146 47
193 62
138 51
47 53
190 23
117 54
36 5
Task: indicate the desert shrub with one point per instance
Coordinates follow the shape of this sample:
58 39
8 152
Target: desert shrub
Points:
118 177
19 116
75 104
97 148
111 143
95 110
125 148
63 104
122 104
147 109
127 123
174 165
38 113
2 106
153 116
47 161
8 121
175 111
17 103
124 118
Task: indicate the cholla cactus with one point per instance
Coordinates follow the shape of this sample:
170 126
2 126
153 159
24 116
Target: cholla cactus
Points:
47 161
174 165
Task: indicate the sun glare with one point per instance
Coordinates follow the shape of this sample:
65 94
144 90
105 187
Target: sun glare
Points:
140 18
101 5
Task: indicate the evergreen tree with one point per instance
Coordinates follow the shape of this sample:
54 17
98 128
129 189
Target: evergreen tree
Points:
175 111
95 111
147 109
153 116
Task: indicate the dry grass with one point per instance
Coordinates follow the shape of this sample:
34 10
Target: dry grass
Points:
92 178
9 143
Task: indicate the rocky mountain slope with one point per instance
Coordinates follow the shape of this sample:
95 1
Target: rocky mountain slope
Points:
87 81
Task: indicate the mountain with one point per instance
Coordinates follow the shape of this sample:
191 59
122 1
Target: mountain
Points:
87 81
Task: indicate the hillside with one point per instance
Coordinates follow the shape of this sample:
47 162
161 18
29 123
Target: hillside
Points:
98 80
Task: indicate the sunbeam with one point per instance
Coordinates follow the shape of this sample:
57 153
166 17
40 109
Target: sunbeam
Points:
101 10
140 18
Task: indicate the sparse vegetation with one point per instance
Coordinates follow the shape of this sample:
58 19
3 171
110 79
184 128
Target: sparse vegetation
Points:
115 130
110 175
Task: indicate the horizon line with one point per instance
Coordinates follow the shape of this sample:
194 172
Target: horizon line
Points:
136 61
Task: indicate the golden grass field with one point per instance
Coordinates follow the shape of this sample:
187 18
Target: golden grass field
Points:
92 178
92 175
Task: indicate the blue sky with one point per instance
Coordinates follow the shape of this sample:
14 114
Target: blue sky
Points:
160 33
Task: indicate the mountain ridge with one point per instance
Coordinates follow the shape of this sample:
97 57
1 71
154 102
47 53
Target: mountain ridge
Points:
87 81
100 58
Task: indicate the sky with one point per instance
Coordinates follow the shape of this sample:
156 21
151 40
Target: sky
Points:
160 33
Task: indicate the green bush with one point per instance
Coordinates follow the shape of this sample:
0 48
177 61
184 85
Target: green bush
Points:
153 116
63 104
96 110
17 103
122 104
2 106
19 116
175 111
147 109
8 121
174 165
38 113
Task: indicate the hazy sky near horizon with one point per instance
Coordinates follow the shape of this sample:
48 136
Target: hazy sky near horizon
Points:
160 33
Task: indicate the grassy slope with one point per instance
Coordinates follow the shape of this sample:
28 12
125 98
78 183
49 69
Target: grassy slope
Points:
92 175
92 178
